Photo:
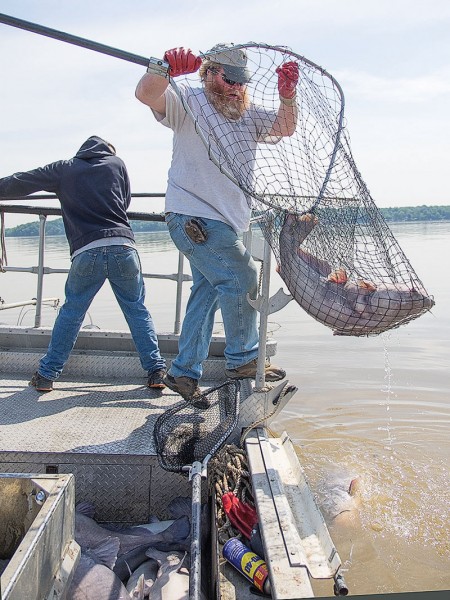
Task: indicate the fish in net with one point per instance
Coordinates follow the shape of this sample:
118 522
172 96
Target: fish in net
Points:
335 252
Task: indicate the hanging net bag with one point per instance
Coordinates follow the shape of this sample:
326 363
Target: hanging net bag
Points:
335 252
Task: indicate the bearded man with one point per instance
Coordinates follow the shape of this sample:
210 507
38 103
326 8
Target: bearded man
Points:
205 211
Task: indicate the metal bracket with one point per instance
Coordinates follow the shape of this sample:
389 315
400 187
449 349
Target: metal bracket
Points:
198 468
157 66
275 302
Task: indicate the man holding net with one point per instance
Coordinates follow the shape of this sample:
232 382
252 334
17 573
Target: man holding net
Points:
205 210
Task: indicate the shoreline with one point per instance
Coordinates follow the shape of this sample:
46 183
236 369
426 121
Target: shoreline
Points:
163 229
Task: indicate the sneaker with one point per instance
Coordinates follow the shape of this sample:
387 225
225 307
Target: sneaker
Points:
42 384
248 371
188 390
155 379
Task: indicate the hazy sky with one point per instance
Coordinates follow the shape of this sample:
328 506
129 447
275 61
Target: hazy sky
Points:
391 57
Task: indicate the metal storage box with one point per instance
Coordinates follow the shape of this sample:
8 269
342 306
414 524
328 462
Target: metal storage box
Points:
37 535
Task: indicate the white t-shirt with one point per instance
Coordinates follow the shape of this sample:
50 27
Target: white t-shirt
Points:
196 185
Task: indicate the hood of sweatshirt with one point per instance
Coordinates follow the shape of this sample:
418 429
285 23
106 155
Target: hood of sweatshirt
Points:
94 147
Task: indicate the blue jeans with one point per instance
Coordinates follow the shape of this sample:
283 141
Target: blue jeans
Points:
223 274
88 272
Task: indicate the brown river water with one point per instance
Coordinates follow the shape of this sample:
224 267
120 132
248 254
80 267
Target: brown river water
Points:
374 408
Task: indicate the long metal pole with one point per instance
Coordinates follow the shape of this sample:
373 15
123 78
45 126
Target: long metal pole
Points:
195 575
83 42
260 381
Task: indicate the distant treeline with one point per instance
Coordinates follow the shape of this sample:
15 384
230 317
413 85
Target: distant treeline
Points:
417 213
397 215
56 227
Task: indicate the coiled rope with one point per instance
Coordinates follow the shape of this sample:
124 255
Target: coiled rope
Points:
228 472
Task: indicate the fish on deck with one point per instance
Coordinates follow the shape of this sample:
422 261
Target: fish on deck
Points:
141 580
93 578
348 307
128 562
111 556
172 582
131 560
88 533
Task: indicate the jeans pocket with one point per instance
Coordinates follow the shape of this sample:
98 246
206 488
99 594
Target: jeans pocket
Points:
128 263
179 237
83 265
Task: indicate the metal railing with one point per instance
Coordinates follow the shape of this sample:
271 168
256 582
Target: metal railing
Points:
40 269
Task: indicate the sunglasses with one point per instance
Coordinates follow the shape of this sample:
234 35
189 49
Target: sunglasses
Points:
225 79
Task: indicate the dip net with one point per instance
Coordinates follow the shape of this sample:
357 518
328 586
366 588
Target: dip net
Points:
184 434
335 252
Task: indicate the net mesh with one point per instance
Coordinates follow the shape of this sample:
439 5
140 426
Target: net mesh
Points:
184 434
335 252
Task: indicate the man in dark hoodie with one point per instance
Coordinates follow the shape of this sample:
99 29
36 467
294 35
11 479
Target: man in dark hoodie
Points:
94 190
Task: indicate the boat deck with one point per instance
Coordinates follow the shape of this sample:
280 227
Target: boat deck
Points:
101 432
82 415
97 422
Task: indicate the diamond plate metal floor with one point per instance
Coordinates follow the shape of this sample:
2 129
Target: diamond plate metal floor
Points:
81 416
99 430
97 423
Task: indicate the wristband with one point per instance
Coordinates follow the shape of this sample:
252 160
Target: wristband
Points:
288 101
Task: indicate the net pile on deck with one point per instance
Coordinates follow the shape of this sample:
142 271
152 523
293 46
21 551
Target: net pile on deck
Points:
184 434
335 252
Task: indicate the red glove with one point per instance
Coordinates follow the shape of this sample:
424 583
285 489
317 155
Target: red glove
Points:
242 516
182 61
287 79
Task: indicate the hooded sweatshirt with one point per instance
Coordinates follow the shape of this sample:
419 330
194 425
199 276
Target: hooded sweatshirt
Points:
93 188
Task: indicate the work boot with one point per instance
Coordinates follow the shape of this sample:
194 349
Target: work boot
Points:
248 371
188 390
41 383
156 379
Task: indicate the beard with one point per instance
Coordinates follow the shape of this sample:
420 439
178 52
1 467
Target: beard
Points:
231 107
